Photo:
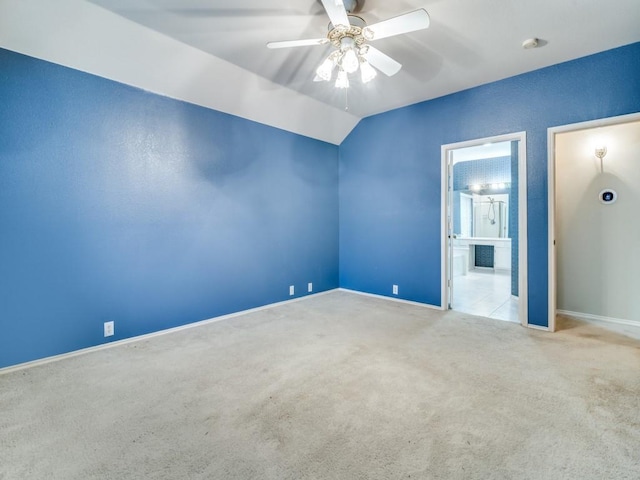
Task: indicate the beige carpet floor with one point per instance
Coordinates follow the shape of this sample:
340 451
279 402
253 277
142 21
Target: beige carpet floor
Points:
336 386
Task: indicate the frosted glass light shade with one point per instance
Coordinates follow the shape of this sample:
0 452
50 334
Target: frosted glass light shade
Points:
343 79
325 69
367 72
349 61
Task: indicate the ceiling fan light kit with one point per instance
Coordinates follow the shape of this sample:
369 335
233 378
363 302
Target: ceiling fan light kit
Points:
349 34
343 79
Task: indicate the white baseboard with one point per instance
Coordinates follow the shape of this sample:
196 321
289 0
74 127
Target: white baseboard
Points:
598 318
537 327
400 300
75 353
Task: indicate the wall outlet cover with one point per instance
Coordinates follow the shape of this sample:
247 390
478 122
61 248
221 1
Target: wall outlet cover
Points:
109 329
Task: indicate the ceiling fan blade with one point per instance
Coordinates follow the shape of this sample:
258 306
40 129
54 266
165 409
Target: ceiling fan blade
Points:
298 43
408 22
336 11
381 61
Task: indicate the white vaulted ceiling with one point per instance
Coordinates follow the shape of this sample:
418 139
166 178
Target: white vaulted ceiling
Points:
213 52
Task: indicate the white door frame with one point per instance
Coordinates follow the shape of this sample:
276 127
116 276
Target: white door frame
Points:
523 290
551 188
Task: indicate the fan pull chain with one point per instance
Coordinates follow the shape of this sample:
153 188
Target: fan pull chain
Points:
346 99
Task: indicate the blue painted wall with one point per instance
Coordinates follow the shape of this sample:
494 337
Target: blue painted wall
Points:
116 204
390 169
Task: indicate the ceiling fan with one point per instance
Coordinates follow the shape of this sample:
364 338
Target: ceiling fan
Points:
350 34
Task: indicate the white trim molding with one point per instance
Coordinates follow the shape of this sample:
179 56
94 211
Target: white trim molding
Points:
138 338
523 290
399 300
599 318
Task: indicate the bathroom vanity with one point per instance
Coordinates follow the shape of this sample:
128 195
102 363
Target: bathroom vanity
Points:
464 253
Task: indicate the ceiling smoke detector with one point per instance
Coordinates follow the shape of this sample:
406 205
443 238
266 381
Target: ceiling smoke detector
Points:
530 43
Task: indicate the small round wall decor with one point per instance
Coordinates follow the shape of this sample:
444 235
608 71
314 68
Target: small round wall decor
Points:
608 196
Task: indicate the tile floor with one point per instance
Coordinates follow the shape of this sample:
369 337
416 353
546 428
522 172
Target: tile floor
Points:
487 293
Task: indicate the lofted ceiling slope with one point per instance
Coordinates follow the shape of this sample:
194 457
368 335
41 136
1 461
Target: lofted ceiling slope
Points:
213 52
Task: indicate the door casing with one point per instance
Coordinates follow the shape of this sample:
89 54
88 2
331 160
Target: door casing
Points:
445 267
551 189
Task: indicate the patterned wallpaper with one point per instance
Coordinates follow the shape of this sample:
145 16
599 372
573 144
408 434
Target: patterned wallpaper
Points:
481 172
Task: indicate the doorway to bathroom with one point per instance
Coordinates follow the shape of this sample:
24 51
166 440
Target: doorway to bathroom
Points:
484 227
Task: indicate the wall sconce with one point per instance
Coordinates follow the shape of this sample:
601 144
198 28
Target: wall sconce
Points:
600 153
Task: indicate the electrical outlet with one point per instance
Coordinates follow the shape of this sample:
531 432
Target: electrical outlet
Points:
310 287
395 289
292 290
108 328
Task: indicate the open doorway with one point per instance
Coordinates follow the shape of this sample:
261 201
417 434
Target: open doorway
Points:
484 227
593 232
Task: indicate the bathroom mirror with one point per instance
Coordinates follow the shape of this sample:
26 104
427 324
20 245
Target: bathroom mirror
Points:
481 215
481 187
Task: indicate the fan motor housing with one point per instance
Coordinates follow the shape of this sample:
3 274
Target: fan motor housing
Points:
351 6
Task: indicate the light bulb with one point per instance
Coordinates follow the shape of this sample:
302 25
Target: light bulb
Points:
325 69
343 79
367 72
349 61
